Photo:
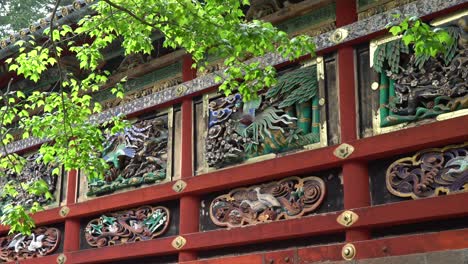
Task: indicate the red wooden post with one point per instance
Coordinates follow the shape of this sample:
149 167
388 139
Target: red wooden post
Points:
189 205
355 174
72 225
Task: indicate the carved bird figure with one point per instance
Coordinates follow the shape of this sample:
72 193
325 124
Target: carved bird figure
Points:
36 242
461 162
17 243
120 150
268 199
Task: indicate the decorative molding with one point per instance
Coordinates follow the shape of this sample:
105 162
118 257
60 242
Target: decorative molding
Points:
42 241
286 199
430 172
356 30
141 224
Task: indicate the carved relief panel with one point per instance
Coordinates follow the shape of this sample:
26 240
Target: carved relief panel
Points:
140 224
34 171
285 199
430 173
141 155
288 117
409 89
42 241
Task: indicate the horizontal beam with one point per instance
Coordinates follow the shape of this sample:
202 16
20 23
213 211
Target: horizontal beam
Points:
408 140
377 217
121 252
377 248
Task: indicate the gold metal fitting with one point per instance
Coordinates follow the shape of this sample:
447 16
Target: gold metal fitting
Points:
179 186
61 259
343 151
64 211
347 218
339 35
179 242
348 252
375 86
181 90
321 101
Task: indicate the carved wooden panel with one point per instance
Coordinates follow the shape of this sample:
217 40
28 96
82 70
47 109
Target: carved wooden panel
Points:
33 171
141 155
286 199
143 223
411 89
42 241
288 117
430 172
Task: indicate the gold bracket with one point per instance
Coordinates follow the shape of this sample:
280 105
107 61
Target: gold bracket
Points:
64 211
179 242
179 186
61 259
343 151
347 218
339 35
348 252
181 90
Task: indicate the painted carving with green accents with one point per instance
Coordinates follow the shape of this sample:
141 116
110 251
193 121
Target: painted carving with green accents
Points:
414 87
285 117
136 156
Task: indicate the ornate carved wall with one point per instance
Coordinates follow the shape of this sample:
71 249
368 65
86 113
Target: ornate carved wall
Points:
289 117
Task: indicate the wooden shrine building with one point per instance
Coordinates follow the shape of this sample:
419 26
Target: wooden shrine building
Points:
361 157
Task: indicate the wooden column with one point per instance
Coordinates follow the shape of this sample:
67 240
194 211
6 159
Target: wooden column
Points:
72 225
355 173
189 204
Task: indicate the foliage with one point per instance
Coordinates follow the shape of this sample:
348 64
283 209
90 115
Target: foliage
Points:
426 41
62 114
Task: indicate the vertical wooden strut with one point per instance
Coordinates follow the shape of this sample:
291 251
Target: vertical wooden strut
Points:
355 174
189 205
72 226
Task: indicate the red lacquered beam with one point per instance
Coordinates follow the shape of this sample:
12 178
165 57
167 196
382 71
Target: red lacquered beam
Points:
161 246
41 260
413 139
394 246
370 217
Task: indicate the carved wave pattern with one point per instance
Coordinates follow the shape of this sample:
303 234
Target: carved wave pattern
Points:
286 199
141 224
430 173
42 241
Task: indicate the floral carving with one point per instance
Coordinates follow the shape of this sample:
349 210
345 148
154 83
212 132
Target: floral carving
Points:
128 226
286 199
42 241
137 156
430 172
